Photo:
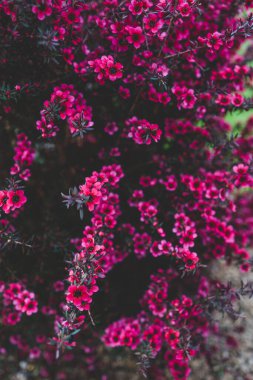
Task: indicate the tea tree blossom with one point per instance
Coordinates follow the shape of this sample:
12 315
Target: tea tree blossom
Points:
121 107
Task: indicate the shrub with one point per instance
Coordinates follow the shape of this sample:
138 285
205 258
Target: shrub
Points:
118 110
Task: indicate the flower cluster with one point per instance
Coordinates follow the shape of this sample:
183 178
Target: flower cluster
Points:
142 131
194 204
42 9
106 68
163 327
16 300
10 200
164 183
65 104
91 261
24 157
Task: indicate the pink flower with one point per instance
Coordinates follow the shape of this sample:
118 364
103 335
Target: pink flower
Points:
137 7
34 353
190 259
135 36
78 295
114 70
188 99
214 40
240 169
111 128
223 99
184 9
31 306
42 9
3 201
237 100
15 199
172 337
153 23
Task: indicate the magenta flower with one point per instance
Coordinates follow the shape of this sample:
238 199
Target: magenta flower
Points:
135 36
15 199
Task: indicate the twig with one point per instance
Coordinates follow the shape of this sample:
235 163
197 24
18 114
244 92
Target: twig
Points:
136 99
183 52
92 320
